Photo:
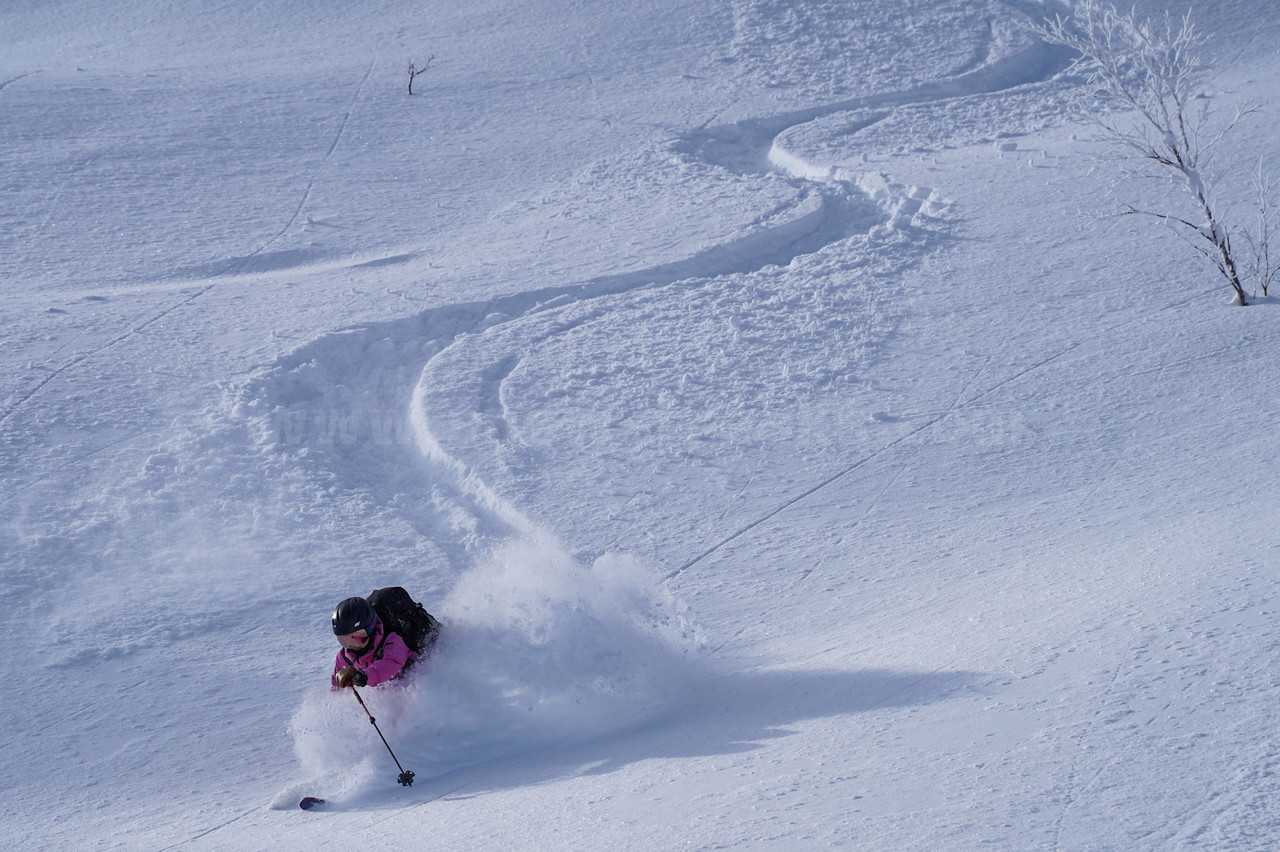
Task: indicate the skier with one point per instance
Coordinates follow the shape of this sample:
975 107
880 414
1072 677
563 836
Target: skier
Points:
371 654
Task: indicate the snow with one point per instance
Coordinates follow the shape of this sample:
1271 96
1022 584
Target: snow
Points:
793 460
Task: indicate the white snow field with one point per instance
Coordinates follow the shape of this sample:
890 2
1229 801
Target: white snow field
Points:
796 457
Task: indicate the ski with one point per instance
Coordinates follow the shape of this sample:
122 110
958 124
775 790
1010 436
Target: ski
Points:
309 802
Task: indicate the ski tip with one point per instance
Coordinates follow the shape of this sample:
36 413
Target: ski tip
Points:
309 802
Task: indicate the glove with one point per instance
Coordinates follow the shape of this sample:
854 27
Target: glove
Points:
351 677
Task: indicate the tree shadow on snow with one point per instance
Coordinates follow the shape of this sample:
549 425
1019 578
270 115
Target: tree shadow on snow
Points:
723 714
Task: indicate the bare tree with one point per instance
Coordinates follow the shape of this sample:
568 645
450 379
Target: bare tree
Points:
1166 128
414 71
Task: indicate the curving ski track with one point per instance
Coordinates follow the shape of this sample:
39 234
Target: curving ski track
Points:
388 361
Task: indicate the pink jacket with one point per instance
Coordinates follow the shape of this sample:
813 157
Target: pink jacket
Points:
379 667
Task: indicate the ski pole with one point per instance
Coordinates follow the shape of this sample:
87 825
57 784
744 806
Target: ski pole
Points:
406 778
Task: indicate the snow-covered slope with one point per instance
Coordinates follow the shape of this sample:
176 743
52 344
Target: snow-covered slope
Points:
792 461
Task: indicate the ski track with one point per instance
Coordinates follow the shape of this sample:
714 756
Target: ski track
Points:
315 174
750 147
935 419
230 269
392 359
293 384
741 148
13 80
1074 787
193 838
18 490
22 399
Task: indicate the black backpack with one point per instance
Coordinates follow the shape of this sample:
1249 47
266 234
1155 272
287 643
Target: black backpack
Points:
402 615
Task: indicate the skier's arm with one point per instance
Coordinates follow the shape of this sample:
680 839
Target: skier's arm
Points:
338 665
395 655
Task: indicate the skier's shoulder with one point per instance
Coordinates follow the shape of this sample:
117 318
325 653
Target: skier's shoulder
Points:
391 644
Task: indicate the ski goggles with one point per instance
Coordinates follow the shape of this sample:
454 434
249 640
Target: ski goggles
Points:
354 640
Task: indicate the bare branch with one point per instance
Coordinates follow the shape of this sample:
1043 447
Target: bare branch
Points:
1165 128
1264 265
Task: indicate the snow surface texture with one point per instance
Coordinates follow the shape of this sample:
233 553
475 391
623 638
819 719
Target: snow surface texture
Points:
791 462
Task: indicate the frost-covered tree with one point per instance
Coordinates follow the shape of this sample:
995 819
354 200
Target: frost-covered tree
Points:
1165 127
1263 264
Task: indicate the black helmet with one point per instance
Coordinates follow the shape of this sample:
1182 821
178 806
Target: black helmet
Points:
353 614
